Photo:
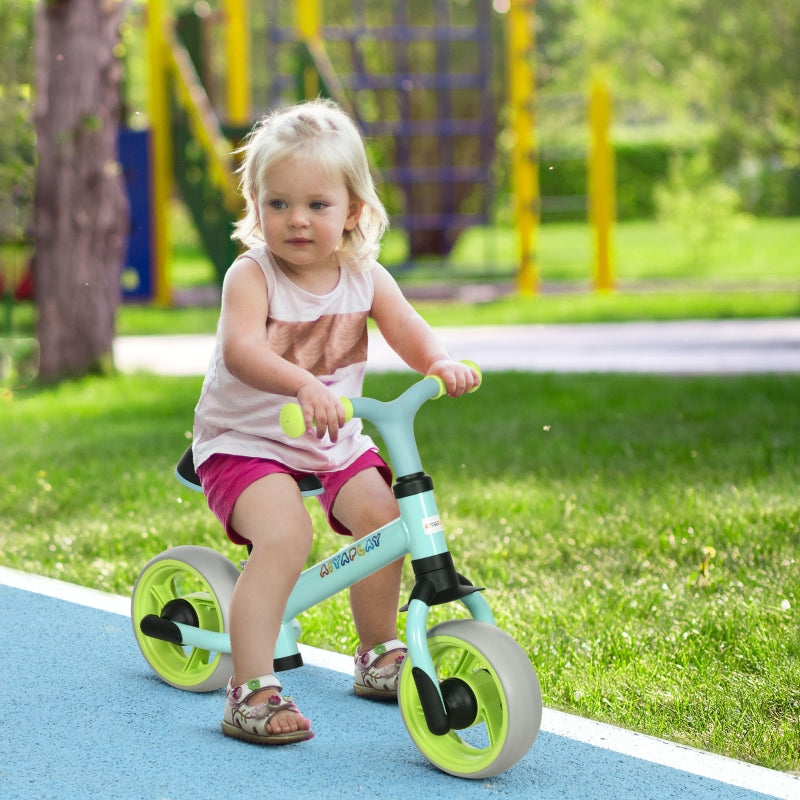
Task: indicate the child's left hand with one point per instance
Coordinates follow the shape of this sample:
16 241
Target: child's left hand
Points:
458 378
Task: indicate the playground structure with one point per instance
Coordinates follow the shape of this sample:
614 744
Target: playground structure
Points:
428 84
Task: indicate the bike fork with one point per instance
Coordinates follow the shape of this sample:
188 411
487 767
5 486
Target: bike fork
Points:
443 704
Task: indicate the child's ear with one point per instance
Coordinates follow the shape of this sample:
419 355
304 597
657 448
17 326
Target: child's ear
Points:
354 214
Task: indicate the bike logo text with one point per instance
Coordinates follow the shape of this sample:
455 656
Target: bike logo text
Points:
362 547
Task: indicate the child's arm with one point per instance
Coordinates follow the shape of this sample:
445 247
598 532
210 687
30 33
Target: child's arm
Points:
243 333
407 333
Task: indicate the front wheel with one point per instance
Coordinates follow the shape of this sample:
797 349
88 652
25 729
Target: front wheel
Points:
192 585
485 664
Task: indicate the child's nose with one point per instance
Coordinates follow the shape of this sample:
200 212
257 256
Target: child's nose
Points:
298 217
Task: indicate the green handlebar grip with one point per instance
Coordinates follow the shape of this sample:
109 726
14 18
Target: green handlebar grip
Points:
292 422
294 425
469 363
348 408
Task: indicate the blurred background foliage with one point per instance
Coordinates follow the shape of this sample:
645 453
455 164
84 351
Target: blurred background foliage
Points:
705 91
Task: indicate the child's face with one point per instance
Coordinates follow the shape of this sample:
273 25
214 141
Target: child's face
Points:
304 213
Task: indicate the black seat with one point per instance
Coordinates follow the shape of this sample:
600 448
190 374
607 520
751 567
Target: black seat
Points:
185 473
309 484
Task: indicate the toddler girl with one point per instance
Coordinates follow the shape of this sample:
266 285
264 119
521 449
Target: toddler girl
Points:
293 326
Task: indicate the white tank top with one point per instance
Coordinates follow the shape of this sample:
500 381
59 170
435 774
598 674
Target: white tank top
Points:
325 334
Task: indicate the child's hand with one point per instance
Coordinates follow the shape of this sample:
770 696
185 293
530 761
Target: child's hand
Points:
458 378
321 409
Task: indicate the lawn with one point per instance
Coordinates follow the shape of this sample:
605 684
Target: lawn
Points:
640 539
756 251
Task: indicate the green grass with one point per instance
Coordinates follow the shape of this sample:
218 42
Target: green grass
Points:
760 251
641 538
755 250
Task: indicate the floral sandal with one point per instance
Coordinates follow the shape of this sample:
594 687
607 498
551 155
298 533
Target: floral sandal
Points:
249 722
379 683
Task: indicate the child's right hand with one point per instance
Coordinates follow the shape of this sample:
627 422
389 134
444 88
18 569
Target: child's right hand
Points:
458 377
322 409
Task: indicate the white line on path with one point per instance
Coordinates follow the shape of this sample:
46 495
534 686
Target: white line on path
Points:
657 751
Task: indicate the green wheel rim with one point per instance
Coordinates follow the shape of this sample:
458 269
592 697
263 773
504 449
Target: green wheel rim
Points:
475 748
161 582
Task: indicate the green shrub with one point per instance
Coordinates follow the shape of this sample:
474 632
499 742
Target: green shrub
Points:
766 186
640 166
702 210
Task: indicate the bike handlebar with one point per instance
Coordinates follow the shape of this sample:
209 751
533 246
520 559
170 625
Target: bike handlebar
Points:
293 423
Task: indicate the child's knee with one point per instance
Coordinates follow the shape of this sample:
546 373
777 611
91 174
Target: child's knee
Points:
288 528
374 513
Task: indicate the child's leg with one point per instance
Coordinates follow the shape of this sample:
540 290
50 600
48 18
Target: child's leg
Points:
363 504
270 513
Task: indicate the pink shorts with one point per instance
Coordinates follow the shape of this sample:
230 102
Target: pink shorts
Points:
224 477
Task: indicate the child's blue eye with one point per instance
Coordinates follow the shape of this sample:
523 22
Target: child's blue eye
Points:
318 205
276 204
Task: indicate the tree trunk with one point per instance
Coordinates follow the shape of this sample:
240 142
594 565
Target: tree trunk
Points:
81 209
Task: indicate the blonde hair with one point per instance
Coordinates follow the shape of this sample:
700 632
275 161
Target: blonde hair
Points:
320 132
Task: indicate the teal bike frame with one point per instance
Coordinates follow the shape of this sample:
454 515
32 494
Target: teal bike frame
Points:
418 531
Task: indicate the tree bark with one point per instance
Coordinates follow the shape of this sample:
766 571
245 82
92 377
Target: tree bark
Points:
80 206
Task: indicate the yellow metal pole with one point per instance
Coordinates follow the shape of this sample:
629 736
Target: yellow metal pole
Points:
308 20
237 46
602 190
161 157
521 45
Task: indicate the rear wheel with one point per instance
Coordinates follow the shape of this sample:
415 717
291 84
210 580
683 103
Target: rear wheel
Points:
190 585
487 675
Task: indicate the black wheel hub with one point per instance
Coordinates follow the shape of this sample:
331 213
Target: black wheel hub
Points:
182 611
460 702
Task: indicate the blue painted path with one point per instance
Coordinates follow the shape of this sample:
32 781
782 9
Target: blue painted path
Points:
84 717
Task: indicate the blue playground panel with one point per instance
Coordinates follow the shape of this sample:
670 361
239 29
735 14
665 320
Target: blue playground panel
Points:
137 271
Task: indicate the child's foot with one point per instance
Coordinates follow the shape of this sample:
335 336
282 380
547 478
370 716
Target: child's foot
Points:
377 672
256 712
